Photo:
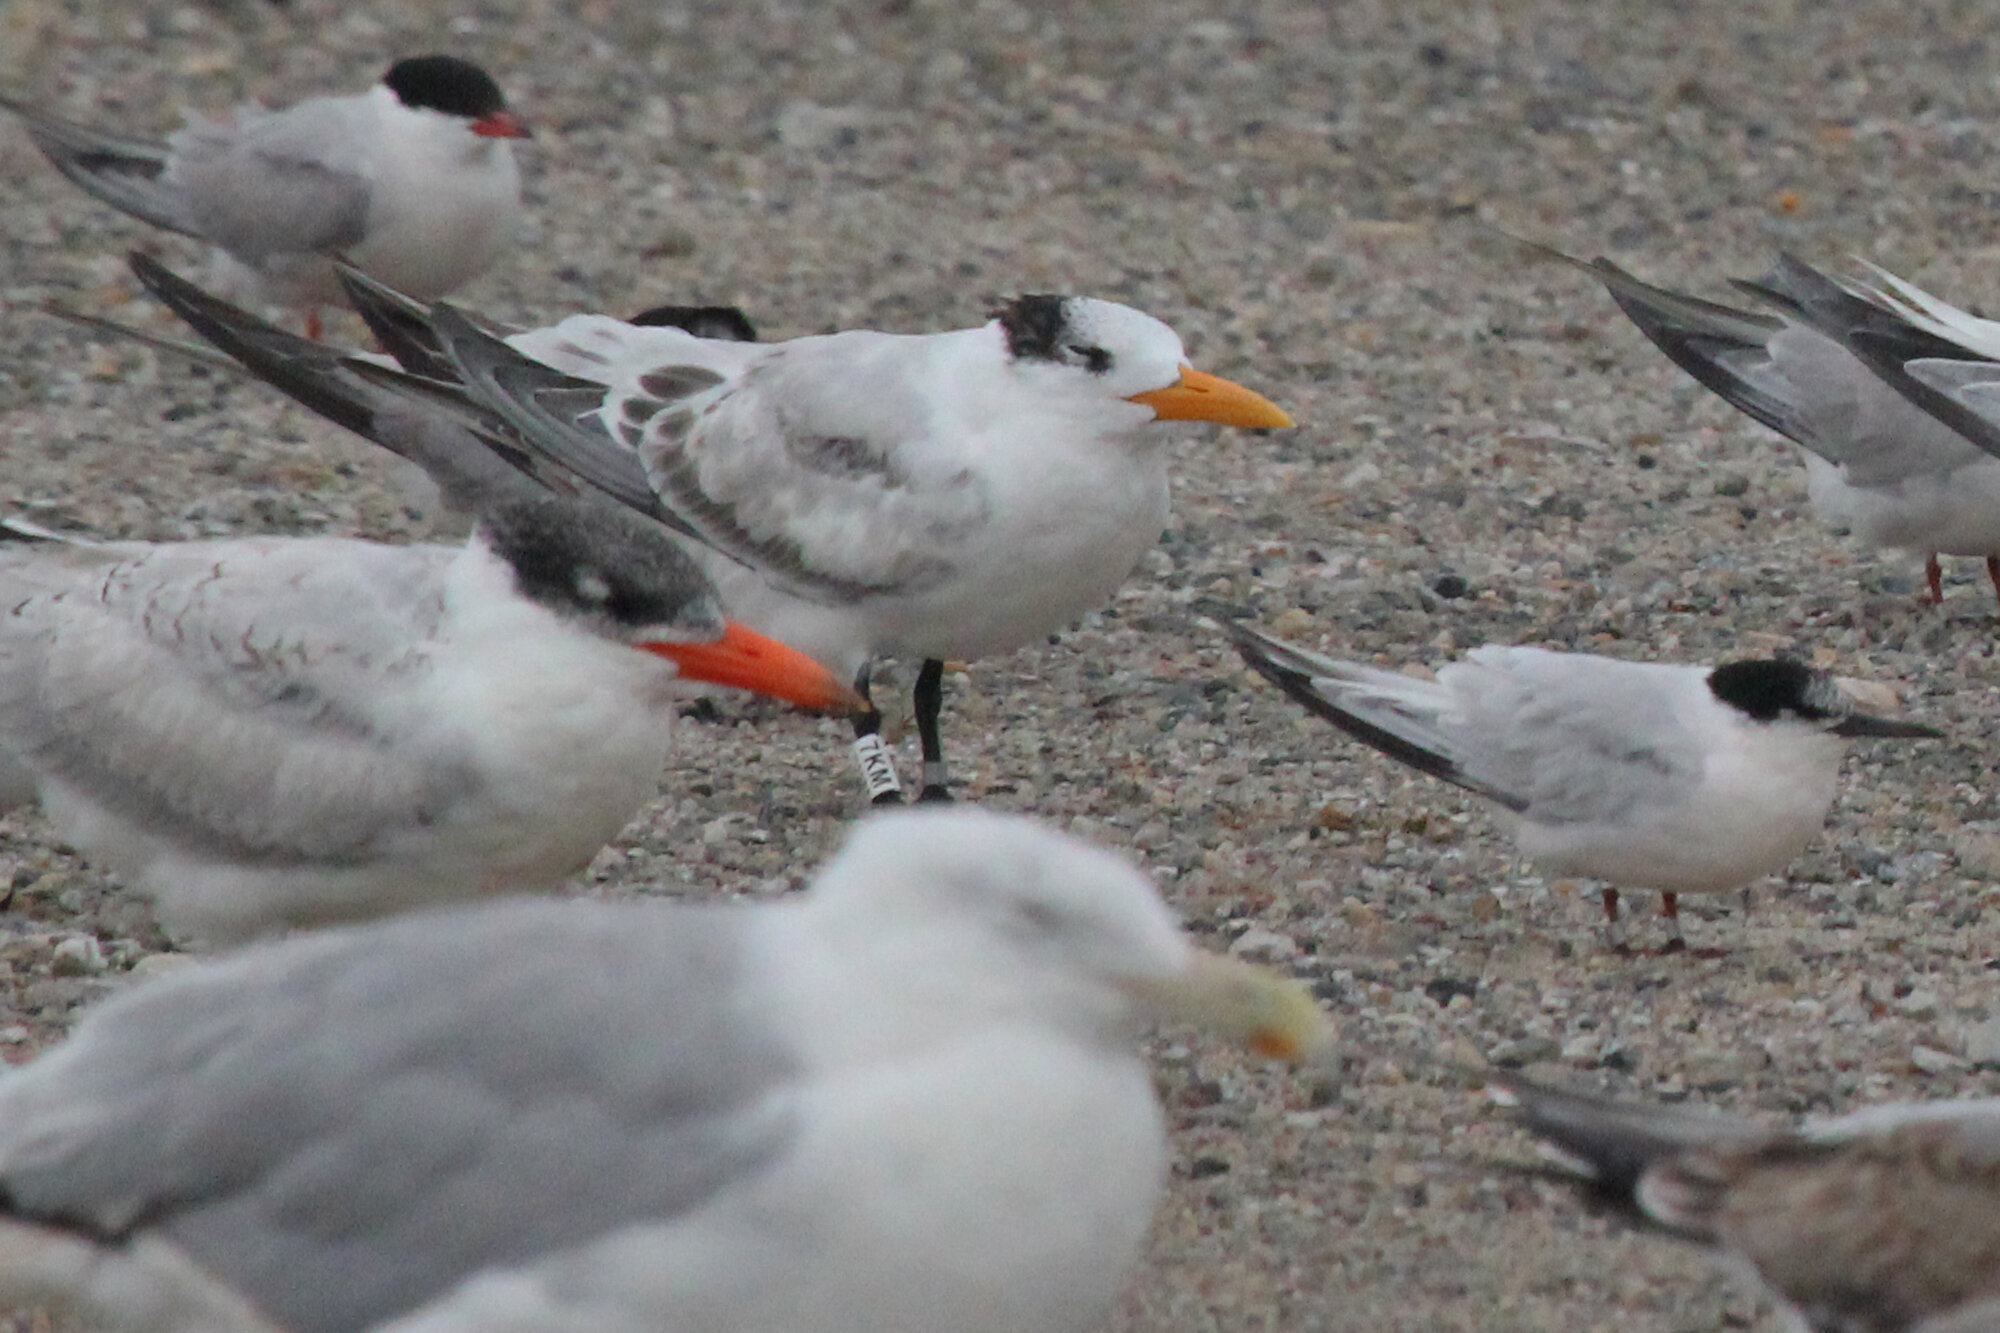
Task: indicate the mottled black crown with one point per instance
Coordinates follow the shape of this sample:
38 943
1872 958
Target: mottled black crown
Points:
1767 690
724 323
445 83
1036 327
580 559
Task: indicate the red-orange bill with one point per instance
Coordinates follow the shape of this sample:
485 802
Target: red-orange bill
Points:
746 660
502 124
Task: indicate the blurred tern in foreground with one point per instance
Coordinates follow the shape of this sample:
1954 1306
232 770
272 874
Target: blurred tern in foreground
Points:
1673 779
862 494
1841 371
908 1099
413 181
1883 1221
265 732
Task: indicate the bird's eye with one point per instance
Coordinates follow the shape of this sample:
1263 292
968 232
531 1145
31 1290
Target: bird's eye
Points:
592 586
1039 917
1095 359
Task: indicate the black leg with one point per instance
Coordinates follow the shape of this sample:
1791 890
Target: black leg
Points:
878 768
930 699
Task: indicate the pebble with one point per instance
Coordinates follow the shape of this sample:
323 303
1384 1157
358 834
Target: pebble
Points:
1523 1051
1920 1005
1264 946
1931 1060
77 956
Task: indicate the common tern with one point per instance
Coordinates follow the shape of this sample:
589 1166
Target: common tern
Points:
265 732
909 1098
1888 457
413 181
862 494
1674 779
1882 1221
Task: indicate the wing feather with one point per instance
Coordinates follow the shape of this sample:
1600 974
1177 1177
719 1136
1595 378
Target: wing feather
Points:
237 695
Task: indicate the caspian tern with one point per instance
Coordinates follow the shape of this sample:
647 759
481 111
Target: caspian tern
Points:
265 732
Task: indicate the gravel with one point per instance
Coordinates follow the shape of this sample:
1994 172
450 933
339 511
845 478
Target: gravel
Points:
1490 454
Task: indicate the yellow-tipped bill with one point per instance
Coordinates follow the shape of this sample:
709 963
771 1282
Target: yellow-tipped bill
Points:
1200 396
1252 1006
746 660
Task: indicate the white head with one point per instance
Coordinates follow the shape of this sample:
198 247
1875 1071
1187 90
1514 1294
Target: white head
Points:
1103 352
988 916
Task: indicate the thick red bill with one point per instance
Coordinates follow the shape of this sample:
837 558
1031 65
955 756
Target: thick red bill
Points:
502 124
746 660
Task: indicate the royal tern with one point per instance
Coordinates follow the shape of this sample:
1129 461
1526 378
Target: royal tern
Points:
863 494
907 1099
413 181
265 732
1674 779
940 496
1883 1221
1887 457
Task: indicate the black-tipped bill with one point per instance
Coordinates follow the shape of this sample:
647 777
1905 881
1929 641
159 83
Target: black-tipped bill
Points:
1868 724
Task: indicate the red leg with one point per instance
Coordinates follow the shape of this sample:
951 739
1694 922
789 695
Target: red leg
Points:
1670 909
314 329
1614 933
1934 577
1993 572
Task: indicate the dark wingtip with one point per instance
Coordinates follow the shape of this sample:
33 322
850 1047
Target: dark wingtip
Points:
401 324
295 366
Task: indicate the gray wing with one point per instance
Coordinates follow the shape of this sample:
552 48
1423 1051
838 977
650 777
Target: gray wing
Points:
1931 427
1609 1147
246 696
1557 737
1804 376
733 454
476 459
275 183
831 509
1398 715
1575 738
345 1126
127 172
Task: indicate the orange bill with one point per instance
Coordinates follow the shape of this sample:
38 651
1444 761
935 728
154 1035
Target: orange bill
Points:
1200 396
744 659
502 124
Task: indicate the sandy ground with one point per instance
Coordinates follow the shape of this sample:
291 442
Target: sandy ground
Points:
1489 454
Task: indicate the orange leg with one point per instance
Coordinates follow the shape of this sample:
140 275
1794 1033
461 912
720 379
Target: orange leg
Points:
1934 580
